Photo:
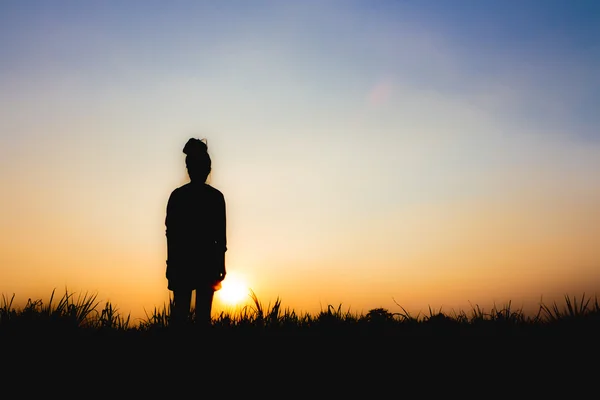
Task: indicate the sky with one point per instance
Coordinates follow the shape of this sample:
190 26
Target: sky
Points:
404 155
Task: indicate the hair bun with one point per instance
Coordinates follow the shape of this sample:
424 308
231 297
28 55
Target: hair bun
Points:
195 147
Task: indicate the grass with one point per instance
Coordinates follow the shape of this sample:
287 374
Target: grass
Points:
72 340
84 314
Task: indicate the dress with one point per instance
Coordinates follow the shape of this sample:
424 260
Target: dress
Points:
196 236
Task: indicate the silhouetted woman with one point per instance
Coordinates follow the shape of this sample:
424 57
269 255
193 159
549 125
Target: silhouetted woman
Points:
196 238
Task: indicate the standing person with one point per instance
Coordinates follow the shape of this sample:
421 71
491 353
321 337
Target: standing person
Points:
196 238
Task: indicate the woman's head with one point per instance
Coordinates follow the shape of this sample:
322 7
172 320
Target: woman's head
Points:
197 160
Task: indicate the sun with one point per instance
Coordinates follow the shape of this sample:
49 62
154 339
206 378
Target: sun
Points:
234 290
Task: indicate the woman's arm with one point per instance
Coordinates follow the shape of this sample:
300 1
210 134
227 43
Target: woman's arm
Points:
222 234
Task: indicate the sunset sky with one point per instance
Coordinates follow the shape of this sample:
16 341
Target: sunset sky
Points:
371 153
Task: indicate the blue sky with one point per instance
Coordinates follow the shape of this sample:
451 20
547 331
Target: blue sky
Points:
548 51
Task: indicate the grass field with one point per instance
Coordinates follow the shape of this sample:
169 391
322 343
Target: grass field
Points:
84 314
75 342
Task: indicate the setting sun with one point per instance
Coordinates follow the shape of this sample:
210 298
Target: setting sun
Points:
234 290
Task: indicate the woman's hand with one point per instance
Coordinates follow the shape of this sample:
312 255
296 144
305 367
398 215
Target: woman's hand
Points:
222 275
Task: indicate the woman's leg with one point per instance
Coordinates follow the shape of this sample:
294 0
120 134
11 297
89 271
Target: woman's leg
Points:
204 300
180 309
